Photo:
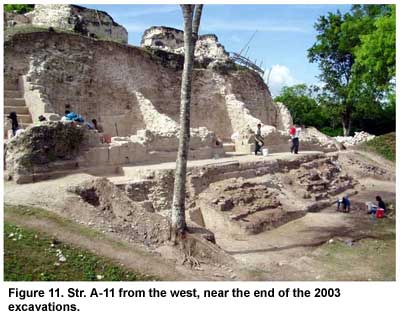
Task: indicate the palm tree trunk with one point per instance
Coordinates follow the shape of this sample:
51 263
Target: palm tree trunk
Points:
190 36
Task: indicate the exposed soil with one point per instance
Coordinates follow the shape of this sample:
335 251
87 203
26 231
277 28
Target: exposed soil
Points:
291 251
296 250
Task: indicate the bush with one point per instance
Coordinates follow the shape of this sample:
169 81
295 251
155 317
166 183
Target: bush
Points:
332 132
18 8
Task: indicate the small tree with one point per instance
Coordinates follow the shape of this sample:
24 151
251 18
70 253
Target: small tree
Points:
191 16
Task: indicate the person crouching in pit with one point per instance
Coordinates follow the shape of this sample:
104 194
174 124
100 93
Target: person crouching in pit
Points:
258 140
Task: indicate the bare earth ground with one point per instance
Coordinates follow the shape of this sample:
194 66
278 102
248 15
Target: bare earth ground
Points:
293 251
303 249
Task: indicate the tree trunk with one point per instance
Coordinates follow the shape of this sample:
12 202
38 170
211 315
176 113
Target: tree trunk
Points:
191 27
346 121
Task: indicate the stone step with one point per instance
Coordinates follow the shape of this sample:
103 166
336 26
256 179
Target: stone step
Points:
10 85
16 109
12 94
14 101
25 118
24 125
229 147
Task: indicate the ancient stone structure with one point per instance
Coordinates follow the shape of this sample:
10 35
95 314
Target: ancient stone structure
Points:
171 40
128 89
47 149
284 120
12 19
243 196
134 93
79 19
88 22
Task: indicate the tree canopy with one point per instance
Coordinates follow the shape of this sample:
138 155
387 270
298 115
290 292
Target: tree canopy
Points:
356 54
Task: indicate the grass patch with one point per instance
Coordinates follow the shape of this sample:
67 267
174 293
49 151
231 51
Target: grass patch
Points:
21 210
384 145
33 256
367 259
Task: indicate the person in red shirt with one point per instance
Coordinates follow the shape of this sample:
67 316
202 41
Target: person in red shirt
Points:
292 133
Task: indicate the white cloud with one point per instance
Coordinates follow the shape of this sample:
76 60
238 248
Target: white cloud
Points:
279 77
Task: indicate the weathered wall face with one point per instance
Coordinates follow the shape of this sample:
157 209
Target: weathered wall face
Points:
128 89
12 19
284 118
171 40
79 19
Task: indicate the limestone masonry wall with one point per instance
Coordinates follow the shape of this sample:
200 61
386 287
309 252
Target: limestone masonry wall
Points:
128 89
79 19
171 40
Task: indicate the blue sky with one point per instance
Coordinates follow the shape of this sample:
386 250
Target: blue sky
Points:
285 32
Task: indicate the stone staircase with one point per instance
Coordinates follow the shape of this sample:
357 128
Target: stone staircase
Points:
14 102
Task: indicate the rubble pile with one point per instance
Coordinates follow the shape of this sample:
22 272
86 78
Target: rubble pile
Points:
358 138
248 207
322 179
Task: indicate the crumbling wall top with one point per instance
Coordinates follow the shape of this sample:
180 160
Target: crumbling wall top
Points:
79 19
171 40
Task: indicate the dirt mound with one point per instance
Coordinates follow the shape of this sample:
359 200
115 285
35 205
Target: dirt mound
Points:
322 178
125 215
364 164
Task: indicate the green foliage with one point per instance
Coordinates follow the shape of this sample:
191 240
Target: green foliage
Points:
376 55
18 8
309 107
312 106
384 145
32 256
332 131
356 55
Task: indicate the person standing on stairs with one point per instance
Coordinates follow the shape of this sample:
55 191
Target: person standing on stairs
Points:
14 122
